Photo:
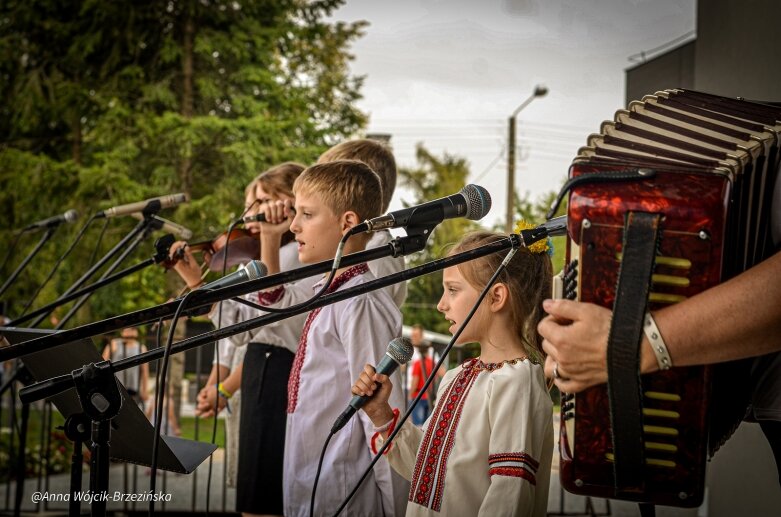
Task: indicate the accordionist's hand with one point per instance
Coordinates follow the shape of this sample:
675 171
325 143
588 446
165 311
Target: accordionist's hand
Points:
575 339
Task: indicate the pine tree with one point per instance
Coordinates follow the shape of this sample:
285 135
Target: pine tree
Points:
111 102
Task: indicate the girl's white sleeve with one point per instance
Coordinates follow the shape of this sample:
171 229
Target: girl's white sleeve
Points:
521 442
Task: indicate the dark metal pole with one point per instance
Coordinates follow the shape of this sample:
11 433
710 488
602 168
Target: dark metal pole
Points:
140 227
27 259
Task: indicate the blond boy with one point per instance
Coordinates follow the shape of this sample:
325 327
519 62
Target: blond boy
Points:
337 341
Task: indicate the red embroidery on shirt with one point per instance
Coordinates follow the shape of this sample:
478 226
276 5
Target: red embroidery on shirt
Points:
294 381
271 297
514 464
428 478
514 472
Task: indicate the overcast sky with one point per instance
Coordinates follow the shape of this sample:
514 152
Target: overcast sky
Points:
448 73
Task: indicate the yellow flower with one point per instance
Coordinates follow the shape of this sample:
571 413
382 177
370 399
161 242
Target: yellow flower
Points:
539 246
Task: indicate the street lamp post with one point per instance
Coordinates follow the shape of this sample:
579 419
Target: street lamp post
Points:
539 91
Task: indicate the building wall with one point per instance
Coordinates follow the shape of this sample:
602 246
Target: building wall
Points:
737 53
738 50
674 69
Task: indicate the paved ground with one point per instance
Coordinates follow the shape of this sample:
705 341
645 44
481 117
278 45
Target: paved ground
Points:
188 493
742 481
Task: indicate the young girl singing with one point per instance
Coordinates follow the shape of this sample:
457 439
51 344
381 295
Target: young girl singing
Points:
486 448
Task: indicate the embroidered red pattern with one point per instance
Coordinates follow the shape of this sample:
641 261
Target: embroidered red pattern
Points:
271 297
428 478
294 381
514 464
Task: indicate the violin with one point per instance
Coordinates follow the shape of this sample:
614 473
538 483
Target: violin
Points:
241 245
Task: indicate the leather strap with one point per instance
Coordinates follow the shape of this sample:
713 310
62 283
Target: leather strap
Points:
623 349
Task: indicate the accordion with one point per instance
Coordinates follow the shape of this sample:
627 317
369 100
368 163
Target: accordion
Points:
702 168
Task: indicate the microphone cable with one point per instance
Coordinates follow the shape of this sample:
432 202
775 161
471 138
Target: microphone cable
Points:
317 474
11 249
217 356
429 380
97 245
160 397
319 294
57 264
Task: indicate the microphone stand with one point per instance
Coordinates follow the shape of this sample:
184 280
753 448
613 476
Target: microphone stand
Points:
55 385
147 229
97 386
22 375
162 246
139 228
27 259
201 301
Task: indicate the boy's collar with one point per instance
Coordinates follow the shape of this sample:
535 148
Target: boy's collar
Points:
343 277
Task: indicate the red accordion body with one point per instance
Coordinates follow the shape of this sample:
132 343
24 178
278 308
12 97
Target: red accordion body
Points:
715 161
694 204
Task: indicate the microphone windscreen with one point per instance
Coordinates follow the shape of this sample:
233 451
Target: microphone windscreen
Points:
256 269
400 349
71 215
478 201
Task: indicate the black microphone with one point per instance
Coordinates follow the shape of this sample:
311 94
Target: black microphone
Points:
259 218
152 205
251 271
472 202
68 217
399 352
555 227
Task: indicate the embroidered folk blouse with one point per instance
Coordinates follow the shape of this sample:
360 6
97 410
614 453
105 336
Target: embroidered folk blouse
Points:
486 449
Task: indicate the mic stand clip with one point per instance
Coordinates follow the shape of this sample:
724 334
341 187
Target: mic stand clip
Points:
101 401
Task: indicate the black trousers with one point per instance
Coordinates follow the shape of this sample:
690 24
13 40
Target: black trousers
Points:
262 428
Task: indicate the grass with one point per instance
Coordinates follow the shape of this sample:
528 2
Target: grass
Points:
187 428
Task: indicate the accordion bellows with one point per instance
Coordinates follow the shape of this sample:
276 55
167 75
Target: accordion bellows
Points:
715 161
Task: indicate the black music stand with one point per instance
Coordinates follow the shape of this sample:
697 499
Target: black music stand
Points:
131 434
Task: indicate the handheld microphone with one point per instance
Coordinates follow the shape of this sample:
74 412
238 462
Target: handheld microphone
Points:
251 271
160 223
68 217
472 202
260 218
399 352
152 205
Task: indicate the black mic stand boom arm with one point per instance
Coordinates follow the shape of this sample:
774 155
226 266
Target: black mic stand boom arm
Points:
59 384
201 301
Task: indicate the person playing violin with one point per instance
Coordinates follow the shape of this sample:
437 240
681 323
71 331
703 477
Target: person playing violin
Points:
263 373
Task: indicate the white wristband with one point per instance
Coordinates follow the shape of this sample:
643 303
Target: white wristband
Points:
657 343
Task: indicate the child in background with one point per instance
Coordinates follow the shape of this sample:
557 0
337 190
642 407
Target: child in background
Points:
337 340
263 374
487 447
380 159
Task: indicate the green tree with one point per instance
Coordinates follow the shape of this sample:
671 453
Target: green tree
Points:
434 177
111 102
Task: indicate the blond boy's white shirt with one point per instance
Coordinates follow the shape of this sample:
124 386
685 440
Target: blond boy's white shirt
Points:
300 292
342 338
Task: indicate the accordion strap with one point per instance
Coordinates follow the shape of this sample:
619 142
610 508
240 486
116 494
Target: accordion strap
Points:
623 350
